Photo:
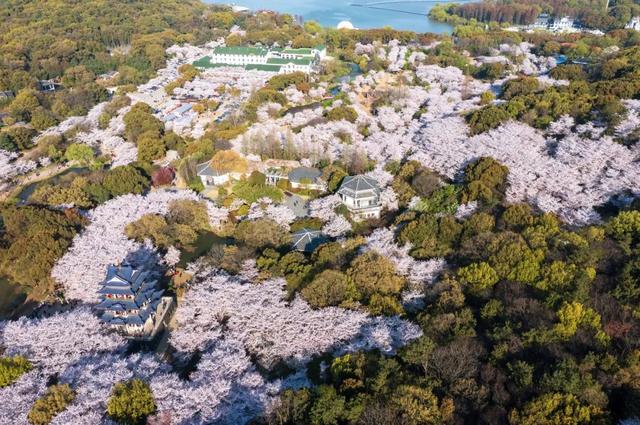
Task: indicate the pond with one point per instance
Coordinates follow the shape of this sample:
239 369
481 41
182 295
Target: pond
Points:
64 177
12 297
400 15
202 245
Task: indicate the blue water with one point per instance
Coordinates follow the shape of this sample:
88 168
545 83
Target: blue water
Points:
401 15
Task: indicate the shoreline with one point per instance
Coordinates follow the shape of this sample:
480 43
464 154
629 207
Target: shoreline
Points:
330 14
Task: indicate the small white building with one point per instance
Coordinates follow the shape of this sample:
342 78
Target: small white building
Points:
564 24
132 303
306 178
634 24
274 174
361 195
211 176
48 85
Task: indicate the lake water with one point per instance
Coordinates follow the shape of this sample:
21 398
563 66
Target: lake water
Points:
64 177
11 296
401 15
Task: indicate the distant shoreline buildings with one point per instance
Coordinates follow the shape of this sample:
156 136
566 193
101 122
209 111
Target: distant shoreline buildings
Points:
634 24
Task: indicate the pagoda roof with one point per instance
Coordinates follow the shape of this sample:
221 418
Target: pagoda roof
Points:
359 187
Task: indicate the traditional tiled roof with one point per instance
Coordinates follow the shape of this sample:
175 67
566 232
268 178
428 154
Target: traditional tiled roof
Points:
359 187
307 240
128 296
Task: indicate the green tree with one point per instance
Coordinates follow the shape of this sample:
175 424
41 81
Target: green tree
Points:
6 143
24 104
479 276
140 120
625 228
487 118
77 76
372 273
329 408
329 288
22 137
79 153
521 374
34 239
125 179
557 409
12 368
418 351
486 180
291 408
346 113
419 406
261 233
150 147
221 19
41 119
131 402
55 400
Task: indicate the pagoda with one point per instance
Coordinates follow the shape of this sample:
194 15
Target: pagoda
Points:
131 302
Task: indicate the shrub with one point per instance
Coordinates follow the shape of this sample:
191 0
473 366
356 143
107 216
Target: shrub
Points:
346 113
163 176
125 179
486 180
131 402
329 288
56 399
12 368
486 119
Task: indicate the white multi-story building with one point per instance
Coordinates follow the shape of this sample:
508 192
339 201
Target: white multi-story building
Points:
361 195
557 24
257 58
564 24
239 55
634 24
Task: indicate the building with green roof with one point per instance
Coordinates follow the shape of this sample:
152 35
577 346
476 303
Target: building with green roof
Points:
265 67
261 59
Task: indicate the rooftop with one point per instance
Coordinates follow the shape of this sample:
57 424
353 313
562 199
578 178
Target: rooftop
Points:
128 295
304 173
240 50
205 169
263 67
297 205
296 61
205 62
307 240
359 186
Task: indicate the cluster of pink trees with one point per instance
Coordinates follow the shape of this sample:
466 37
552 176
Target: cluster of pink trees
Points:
104 238
11 166
272 329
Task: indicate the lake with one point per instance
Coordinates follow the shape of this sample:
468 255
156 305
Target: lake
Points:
11 297
64 177
401 15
